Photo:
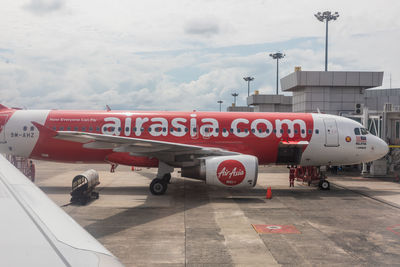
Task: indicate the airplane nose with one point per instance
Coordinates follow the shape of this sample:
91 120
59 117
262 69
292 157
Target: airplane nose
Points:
381 148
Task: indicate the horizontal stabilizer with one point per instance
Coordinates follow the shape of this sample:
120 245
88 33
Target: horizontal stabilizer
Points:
44 130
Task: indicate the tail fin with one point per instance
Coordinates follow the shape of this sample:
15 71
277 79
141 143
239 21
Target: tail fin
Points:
3 107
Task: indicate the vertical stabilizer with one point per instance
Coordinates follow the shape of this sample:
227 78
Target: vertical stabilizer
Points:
3 107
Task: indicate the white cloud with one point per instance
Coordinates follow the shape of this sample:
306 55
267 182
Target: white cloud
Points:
179 54
41 7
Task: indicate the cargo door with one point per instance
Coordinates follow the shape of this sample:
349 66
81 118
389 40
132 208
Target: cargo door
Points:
331 133
3 120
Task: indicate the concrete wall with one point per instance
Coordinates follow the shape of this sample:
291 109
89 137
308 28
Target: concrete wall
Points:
332 92
270 103
240 109
328 100
376 98
331 78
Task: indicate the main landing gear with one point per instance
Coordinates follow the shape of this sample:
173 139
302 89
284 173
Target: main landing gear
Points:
310 175
159 185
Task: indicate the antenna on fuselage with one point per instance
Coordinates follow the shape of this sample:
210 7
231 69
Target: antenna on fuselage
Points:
319 111
108 108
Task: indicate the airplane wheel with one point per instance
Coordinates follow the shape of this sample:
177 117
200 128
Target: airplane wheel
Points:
324 185
167 178
158 186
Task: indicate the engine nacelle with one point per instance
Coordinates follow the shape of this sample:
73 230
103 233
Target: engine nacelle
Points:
239 171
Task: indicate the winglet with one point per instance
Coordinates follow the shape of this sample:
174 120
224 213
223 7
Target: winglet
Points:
44 130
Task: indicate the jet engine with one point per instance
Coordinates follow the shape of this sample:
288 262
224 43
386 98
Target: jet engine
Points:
239 171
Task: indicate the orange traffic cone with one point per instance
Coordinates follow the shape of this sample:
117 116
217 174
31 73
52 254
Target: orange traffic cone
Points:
269 193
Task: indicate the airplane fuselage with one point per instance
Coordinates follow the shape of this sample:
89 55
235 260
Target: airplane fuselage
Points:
271 137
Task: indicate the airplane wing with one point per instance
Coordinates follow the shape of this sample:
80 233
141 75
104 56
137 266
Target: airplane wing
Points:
135 146
36 232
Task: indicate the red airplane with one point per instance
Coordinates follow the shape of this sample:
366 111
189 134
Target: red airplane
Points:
222 148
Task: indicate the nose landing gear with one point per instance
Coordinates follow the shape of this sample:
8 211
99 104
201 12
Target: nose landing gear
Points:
324 184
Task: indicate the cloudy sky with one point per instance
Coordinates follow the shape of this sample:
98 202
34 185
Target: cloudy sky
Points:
180 55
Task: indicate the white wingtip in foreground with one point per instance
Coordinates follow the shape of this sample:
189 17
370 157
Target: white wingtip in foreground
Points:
36 232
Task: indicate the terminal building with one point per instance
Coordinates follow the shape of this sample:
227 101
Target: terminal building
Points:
351 94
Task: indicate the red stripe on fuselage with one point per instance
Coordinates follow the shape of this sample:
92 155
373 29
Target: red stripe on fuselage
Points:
265 148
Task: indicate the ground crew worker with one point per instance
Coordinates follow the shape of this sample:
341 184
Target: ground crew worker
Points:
291 176
32 171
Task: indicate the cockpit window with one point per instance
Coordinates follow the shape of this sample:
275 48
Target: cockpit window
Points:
357 131
364 131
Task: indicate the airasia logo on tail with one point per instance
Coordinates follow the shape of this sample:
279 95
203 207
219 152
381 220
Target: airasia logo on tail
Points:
231 172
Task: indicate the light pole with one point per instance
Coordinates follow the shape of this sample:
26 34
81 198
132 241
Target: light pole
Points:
234 97
277 56
248 80
220 103
327 16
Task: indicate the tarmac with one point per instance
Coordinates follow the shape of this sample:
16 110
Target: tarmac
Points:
356 223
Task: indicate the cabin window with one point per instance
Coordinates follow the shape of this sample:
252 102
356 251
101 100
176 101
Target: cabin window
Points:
32 128
217 130
207 130
171 130
97 129
105 129
238 130
316 131
84 129
178 130
253 130
69 128
126 129
195 130
357 131
61 128
224 130
274 130
303 131
231 130
267 131
54 128
142 129
246 130
75 128
164 129
25 128
397 127
288 131
91 128
281 131
309 131
260 130
295 131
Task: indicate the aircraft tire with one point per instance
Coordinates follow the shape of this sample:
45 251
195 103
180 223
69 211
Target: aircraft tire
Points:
324 185
158 186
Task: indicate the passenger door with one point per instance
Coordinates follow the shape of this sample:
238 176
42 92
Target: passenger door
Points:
331 133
